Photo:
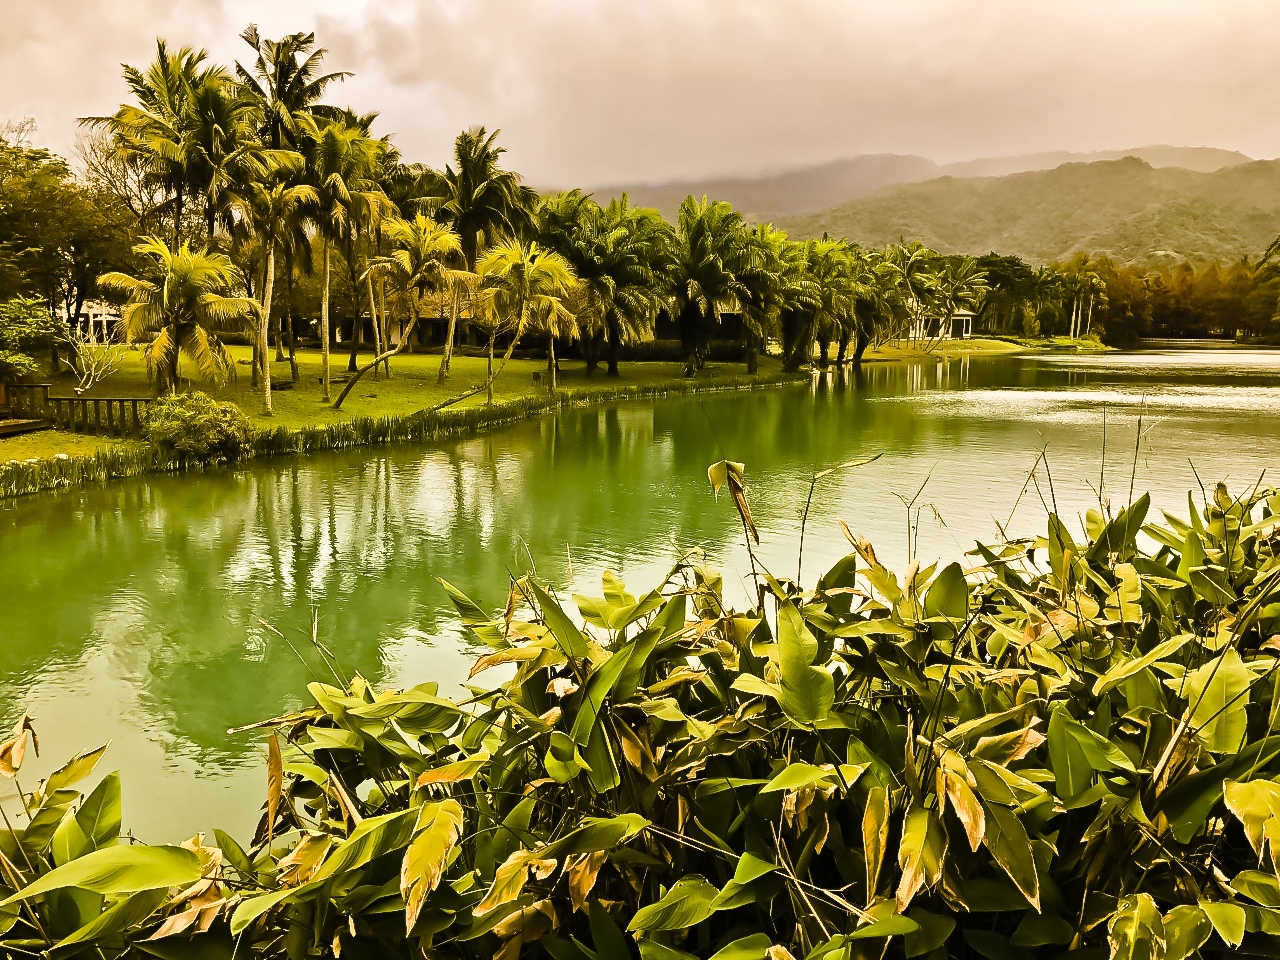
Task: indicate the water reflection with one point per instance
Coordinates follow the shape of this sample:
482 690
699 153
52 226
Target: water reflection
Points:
139 611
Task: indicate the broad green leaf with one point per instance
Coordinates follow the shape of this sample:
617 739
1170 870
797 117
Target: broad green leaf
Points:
599 686
1217 695
750 867
117 870
233 853
69 841
596 834
100 814
125 915
438 827
948 595
884 922
1258 886
667 623
798 775
1210 583
606 935
1192 556
1126 669
1042 929
1124 603
370 839
74 770
1256 804
249 910
652 950
807 691
569 638
1006 838
1227 920
921 853
602 765
1136 930
1100 753
933 933
687 903
754 947
1186 929
1071 768
1187 805
1061 548
875 835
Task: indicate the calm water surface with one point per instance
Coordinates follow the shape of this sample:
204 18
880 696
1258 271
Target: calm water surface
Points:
138 612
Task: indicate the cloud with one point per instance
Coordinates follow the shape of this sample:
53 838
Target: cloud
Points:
590 91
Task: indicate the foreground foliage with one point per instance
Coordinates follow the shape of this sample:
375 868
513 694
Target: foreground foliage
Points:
1069 747
196 428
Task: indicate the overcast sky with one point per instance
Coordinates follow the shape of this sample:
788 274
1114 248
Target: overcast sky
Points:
592 91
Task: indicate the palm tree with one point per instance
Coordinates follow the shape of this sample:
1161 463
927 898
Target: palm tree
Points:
712 245
526 283
481 201
270 211
419 263
912 269
183 299
961 285
341 162
620 255
286 84
775 281
157 132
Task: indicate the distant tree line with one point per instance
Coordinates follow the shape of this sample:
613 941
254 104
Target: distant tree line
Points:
226 201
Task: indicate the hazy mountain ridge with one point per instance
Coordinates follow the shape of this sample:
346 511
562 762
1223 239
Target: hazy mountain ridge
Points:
812 189
1126 208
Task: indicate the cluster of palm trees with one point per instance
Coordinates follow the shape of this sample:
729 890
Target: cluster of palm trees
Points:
257 181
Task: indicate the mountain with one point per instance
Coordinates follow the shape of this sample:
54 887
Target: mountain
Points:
815 188
793 191
1127 208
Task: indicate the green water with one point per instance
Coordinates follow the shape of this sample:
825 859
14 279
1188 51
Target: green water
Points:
138 612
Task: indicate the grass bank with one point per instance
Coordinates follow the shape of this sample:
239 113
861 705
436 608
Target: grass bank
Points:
382 411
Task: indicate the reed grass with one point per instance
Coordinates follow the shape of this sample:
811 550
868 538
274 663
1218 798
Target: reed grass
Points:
22 477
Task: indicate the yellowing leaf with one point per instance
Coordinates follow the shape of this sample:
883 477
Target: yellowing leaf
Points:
510 879
436 834
921 853
453 772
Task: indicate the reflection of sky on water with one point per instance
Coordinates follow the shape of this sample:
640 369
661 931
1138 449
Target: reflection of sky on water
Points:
135 611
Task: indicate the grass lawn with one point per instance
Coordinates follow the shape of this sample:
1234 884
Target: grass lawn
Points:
411 387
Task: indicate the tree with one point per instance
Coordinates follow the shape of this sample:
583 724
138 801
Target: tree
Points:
286 85
620 255
913 271
183 299
961 285
422 252
712 244
269 212
341 163
526 283
160 133
25 326
775 281
482 202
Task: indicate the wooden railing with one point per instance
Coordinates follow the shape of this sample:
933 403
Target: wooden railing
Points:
112 416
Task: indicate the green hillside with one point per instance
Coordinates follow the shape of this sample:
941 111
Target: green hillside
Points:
1125 208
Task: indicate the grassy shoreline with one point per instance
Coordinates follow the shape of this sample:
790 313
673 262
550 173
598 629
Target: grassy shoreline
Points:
50 460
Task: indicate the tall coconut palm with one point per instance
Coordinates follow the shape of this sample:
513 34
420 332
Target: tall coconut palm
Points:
424 258
341 163
712 245
482 202
286 84
912 270
183 299
620 255
158 131
270 212
526 284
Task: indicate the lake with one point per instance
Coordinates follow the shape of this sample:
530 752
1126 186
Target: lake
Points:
159 612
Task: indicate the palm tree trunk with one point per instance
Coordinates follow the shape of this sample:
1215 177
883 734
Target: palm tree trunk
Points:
1088 324
488 380
264 326
324 323
443 374
357 325
386 327
293 336
379 358
377 329
551 353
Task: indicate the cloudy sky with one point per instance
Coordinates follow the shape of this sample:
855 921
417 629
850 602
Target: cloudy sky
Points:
593 91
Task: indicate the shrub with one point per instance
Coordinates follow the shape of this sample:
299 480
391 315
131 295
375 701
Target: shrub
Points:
1069 749
196 428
